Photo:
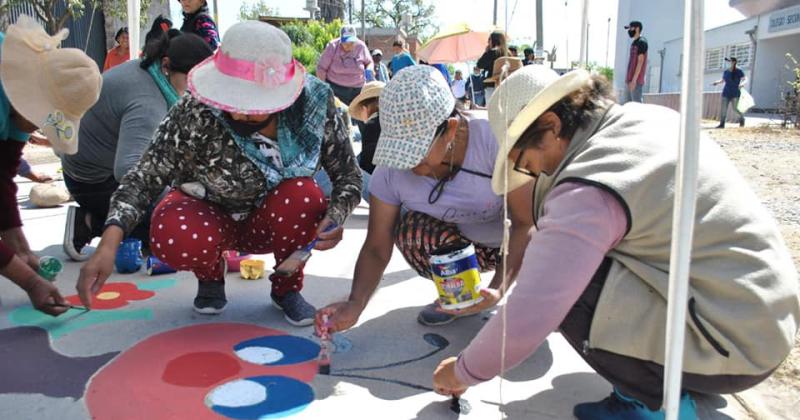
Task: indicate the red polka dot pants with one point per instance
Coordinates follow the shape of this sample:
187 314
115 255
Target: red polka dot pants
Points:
190 234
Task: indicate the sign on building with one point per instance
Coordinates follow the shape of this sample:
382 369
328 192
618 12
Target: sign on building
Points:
784 20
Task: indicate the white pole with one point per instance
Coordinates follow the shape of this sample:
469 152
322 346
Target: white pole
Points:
685 203
133 27
584 23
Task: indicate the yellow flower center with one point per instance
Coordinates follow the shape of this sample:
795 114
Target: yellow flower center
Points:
108 295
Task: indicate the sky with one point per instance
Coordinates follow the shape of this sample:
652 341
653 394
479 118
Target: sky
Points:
561 23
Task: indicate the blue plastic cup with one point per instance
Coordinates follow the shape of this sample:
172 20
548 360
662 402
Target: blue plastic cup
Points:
129 256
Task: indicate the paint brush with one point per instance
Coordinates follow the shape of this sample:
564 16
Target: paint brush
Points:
325 347
61 305
290 265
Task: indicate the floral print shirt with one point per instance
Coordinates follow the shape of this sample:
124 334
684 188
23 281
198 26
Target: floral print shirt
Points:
192 145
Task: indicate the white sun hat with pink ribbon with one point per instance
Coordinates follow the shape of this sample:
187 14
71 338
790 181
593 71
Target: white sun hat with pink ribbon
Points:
253 72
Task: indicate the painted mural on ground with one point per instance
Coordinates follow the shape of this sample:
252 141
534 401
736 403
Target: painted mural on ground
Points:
238 371
107 307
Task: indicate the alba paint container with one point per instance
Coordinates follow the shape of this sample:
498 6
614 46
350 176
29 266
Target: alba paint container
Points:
455 272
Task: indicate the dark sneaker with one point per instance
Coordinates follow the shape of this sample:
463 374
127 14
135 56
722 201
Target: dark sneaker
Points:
618 406
77 233
741 122
210 298
431 317
720 126
295 309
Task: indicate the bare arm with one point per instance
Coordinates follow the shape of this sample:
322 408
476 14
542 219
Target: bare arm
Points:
372 261
639 64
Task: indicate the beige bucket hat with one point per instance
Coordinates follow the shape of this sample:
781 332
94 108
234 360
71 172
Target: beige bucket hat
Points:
369 91
516 104
49 86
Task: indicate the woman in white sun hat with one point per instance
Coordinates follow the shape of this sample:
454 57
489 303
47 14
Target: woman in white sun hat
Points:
242 148
44 87
597 267
431 190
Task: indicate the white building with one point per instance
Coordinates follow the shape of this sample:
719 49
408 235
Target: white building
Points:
760 42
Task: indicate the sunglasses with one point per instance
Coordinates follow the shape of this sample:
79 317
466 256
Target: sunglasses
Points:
522 169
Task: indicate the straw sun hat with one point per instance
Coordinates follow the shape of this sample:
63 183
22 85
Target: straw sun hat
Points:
517 103
370 90
253 72
49 86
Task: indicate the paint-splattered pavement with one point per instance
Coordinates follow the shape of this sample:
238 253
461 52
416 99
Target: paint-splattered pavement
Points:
150 356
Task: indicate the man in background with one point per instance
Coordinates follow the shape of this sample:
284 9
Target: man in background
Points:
734 79
637 63
381 72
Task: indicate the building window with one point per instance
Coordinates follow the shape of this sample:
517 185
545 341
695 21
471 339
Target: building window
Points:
714 58
741 52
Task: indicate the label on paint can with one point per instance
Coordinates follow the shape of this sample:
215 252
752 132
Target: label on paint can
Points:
455 272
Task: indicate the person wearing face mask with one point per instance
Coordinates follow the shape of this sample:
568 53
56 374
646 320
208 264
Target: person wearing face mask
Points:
637 63
116 131
239 151
597 267
430 190
475 89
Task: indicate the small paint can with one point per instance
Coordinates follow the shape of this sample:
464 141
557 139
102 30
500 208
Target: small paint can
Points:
50 267
251 269
156 266
455 272
129 256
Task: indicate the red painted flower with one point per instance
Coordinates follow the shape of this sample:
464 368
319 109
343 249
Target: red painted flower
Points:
114 295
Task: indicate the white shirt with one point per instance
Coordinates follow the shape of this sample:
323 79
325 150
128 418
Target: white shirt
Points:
459 88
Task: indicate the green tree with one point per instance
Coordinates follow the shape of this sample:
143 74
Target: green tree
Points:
55 19
254 10
389 14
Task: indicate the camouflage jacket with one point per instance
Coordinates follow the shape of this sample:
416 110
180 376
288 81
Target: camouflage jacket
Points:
192 145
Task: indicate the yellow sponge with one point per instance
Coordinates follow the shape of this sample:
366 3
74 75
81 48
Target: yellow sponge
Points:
251 269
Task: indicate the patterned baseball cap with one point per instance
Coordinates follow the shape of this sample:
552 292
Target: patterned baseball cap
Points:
413 104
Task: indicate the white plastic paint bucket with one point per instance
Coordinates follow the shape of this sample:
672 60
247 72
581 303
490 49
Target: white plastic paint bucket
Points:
455 272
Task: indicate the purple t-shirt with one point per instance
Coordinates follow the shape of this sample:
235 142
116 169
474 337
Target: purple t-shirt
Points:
467 200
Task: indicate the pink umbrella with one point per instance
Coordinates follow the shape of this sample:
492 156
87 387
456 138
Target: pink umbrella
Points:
455 44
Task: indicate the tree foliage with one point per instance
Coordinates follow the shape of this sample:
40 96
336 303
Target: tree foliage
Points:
389 14
309 40
55 18
254 10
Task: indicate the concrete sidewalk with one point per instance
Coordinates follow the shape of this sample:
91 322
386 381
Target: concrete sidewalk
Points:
381 368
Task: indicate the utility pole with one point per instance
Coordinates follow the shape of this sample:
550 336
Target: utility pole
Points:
350 12
608 37
494 20
216 13
584 24
539 29
363 23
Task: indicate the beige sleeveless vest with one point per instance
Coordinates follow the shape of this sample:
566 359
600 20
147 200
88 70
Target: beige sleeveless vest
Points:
744 307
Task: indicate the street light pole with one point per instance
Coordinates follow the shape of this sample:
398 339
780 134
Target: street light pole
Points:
584 27
494 20
608 37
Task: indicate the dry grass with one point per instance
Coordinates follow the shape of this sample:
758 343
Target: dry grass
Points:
769 157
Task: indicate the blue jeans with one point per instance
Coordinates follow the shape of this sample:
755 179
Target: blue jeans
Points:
723 115
635 96
325 184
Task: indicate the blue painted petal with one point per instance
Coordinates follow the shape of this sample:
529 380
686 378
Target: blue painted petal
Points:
285 397
295 349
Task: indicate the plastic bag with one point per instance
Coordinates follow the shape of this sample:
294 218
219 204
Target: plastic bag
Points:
745 102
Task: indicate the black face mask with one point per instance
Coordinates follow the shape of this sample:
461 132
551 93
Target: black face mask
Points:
631 33
246 129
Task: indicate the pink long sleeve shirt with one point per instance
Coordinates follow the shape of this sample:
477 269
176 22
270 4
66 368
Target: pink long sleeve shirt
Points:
579 226
344 68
